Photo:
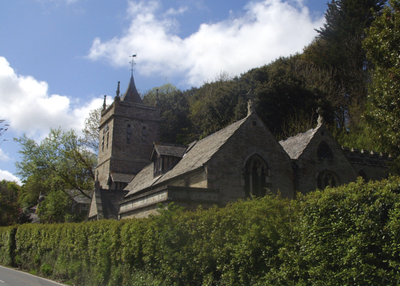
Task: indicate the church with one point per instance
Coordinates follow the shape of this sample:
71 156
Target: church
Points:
136 173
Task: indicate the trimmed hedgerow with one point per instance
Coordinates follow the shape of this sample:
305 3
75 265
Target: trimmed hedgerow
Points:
344 236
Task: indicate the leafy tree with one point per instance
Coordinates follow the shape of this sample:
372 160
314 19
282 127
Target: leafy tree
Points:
9 212
54 208
383 50
9 208
61 160
91 130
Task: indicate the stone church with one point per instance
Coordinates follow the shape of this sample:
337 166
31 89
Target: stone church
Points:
136 173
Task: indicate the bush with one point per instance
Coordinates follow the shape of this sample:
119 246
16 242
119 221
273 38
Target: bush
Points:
344 236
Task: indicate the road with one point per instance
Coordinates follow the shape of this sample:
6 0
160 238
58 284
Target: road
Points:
11 277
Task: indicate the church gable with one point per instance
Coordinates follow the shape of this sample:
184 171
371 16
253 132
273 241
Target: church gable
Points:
321 161
249 163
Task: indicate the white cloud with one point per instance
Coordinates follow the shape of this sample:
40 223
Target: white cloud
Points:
267 30
28 108
5 175
3 156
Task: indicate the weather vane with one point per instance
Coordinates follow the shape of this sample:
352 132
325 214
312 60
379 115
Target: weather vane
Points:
132 62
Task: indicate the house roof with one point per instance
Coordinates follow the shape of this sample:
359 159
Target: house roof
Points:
295 146
131 94
195 157
120 177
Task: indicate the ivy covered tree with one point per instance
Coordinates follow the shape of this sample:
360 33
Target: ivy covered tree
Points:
383 50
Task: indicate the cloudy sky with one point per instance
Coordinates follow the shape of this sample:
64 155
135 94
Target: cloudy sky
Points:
58 58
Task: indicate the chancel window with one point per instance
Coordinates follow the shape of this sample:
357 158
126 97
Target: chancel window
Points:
324 151
256 176
327 178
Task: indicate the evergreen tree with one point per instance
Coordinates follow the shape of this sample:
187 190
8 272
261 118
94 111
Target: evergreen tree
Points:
338 47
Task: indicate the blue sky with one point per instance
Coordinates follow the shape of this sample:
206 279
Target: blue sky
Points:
59 57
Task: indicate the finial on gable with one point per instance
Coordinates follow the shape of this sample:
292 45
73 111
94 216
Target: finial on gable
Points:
320 113
250 104
250 107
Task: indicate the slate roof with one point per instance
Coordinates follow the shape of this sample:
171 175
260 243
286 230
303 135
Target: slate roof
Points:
195 157
169 150
120 177
131 94
294 146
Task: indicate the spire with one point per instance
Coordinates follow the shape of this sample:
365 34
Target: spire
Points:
131 94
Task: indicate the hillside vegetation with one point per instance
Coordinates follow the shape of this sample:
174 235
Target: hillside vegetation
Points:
344 236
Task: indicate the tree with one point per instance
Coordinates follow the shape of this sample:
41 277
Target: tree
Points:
91 130
338 47
62 161
3 128
55 208
174 108
9 208
383 50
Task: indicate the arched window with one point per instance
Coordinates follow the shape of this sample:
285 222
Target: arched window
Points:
324 151
327 178
255 176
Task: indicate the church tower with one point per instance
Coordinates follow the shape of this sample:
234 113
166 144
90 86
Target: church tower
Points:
128 129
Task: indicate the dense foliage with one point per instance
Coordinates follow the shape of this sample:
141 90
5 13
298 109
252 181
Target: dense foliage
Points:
343 236
383 46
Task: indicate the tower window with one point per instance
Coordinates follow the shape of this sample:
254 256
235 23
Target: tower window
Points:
128 134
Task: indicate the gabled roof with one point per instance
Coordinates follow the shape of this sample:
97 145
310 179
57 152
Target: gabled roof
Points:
195 157
120 177
131 94
172 150
295 146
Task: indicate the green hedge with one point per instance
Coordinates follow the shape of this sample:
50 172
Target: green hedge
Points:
344 236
